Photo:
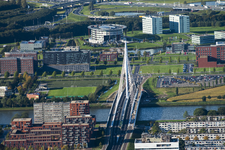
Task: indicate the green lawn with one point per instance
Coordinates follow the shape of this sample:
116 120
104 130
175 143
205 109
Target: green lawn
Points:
72 91
174 58
166 1
144 45
74 18
162 68
40 56
203 30
104 96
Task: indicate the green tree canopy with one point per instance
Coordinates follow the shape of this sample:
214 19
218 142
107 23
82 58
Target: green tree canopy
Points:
212 113
200 112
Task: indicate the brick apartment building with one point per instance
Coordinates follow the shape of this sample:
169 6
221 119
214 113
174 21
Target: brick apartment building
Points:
79 107
109 56
72 131
210 56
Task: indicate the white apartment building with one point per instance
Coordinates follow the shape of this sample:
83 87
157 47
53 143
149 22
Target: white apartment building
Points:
51 112
203 39
177 126
219 34
152 25
4 91
179 23
104 33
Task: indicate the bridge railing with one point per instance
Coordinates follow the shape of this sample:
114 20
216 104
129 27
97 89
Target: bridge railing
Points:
137 109
132 108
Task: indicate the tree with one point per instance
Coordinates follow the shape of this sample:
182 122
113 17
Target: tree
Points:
101 73
202 130
206 138
91 6
16 74
164 45
177 91
204 70
221 110
181 144
23 3
13 2
219 97
178 59
63 74
145 54
91 73
216 81
214 69
44 74
139 54
217 137
82 74
118 72
169 71
203 98
115 62
111 13
212 113
177 70
155 128
54 74
196 138
105 62
132 60
209 97
97 61
100 144
72 73
200 112
187 138
185 115
6 75
71 42
158 71
160 60
147 62
187 58
170 59
223 68
110 72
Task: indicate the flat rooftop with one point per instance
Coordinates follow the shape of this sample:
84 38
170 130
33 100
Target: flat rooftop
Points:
85 101
106 27
22 119
76 124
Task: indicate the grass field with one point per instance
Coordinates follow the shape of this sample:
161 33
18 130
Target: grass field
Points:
72 91
150 85
174 58
104 96
197 96
166 1
143 45
74 18
58 83
203 30
161 68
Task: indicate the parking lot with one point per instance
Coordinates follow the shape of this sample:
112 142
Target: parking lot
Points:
185 81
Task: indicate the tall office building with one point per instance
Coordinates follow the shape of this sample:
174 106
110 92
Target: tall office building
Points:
152 25
179 23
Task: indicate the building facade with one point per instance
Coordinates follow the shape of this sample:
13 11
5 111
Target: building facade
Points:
109 56
210 56
67 61
13 64
32 45
179 47
4 91
104 33
219 35
179 23
202 39
56 111
152 25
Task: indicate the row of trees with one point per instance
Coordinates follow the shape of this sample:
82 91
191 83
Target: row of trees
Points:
203 112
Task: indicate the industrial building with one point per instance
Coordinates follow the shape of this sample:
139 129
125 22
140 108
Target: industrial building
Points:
219 35
67 61
20 64
56 111
152 25
179 23
108 56
202 39
32 45
106 32
210 56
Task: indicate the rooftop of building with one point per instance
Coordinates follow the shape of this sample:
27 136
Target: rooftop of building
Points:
179 15
8 58
22 119
81 116
25 57
109 53
76 124
149 16
106 27
20 52
80 101
32 42
34 94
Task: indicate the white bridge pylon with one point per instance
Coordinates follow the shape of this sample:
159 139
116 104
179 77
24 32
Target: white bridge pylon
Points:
126 77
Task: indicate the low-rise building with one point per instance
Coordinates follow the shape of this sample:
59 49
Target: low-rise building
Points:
32 45
203 39
179 47
33 95
4 91
108 56
219 35
148 141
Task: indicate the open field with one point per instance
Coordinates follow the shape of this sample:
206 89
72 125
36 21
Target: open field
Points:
203 30
74 18
197 96
161 68
38 5
72 91
58 83
150 86
174 58
143 45
166 1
